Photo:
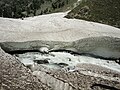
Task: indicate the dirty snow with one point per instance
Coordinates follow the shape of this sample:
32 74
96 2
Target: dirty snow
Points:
104 52
52 27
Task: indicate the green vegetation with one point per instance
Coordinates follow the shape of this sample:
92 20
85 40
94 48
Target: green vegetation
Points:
27 8
102 11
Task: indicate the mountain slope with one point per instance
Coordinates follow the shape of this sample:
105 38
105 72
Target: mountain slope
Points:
26 8
102 11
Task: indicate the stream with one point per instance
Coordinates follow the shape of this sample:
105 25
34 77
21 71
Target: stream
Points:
58 60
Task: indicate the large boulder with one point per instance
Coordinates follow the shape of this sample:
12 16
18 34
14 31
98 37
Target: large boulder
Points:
15 76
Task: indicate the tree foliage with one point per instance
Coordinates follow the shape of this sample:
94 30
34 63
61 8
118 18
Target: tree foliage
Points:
26 8
102 11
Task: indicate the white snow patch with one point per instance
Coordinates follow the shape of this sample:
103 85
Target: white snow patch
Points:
52 27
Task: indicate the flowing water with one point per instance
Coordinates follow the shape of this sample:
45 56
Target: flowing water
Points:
59 60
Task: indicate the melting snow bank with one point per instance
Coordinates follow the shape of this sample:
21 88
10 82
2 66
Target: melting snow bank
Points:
52 27
58 60
100 47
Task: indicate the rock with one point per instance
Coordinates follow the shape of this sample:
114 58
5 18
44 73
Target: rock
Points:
62 65
78 80
44 50
15 76
45 61
29 66
118 61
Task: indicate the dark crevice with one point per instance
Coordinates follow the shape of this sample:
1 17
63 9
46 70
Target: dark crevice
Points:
20 51
64 50
103 87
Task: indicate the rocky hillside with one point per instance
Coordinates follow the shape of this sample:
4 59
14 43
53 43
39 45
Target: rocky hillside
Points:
15 76
26 8
102 11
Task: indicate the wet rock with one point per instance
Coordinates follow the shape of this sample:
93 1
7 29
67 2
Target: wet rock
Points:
45 61
44 50
118 61
103 87
62 65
